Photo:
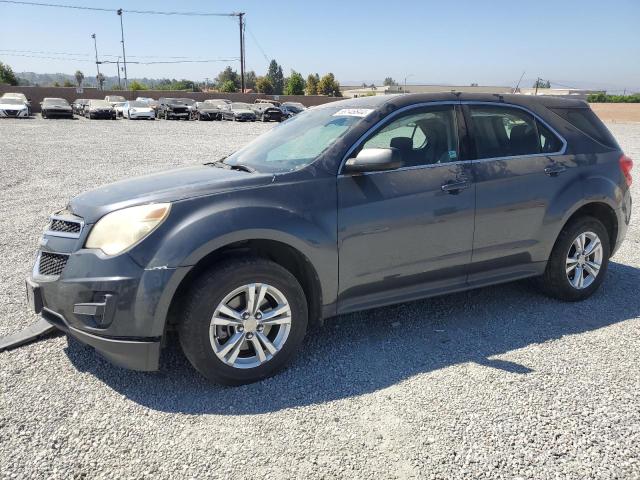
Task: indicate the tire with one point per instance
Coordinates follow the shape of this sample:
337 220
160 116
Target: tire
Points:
206 295
556 281
43 114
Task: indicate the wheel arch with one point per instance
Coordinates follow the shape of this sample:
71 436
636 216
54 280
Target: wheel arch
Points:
601 211
277 251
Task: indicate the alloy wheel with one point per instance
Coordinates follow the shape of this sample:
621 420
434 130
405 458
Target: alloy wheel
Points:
250 325
584 260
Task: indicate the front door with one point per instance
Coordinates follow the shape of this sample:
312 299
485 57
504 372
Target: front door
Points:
407 233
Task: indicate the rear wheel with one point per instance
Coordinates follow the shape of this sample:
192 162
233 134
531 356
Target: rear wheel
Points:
244 320
579 260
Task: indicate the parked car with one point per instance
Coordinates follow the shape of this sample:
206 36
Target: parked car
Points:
191 105
348 206
13 108
99 109
173 108
275 103
238 112
79 105
134 110
210 109
151 102
114 99
267 112
289 109
55 108
19 96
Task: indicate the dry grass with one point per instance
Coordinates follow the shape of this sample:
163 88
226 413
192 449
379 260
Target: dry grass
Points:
617 112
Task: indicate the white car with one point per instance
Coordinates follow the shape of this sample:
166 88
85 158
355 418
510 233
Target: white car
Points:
135 109
19 96
13 108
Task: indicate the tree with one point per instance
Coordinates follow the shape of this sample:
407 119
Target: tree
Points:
136 85
67 83
6 75
250 79
228 75
264 85
540 83
389 82
328 85
312 84
228 87
56 84
276 77
295 85
79 77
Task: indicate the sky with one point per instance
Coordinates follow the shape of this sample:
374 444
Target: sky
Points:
575 43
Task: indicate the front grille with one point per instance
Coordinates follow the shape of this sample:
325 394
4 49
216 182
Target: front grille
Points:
65 226
52 263
11 113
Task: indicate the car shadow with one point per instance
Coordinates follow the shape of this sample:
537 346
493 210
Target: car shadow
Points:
361 353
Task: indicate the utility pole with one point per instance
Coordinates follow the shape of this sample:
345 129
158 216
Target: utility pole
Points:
118 63
95 45
537 84
241 25
124 56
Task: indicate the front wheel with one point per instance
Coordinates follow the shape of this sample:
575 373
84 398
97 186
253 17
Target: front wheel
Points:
244 320
579 260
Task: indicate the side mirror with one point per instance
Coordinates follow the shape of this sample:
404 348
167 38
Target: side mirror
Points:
374 160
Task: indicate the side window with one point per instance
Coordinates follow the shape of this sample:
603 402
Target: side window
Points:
508 132
549 142
423 137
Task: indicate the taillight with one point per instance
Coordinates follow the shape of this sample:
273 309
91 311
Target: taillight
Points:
626 164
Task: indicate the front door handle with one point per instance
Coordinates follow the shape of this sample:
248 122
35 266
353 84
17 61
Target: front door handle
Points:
554 170
454 188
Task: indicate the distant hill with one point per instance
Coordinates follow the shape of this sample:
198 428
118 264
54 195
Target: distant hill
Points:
49 79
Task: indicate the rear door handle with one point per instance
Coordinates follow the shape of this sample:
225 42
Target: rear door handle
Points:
455 187
554 170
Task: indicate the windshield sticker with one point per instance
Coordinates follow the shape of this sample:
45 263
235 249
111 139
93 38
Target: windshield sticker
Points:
453 154
353 112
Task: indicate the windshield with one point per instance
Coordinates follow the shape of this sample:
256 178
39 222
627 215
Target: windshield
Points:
12 101
297 108
295 143
138 104
188 101
14 95
99 103
116 98
240 106
215 102
57 101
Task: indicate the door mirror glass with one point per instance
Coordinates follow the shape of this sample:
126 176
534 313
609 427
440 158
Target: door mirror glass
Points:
374 160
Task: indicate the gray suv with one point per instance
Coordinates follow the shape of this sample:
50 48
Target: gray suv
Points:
347 206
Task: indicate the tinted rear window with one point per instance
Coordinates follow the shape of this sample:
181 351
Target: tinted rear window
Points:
587 122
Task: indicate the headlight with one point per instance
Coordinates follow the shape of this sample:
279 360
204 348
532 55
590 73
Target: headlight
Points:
117 231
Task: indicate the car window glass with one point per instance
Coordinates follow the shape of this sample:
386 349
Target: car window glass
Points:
549 142
504 132
423 138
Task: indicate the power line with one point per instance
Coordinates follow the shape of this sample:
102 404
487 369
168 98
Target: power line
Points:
256 42
98 9
209 60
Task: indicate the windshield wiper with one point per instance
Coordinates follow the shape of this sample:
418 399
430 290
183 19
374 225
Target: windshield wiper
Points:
220 164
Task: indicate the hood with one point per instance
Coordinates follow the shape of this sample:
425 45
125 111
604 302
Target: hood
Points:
11 106
169 186
243 110
57 105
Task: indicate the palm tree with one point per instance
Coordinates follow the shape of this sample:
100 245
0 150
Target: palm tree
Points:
79 77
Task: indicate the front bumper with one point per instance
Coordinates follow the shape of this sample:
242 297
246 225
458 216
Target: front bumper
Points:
110 303
107 115
58 113
14 113
142 355
145 115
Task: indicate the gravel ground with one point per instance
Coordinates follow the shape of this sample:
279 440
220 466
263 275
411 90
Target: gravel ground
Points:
499 382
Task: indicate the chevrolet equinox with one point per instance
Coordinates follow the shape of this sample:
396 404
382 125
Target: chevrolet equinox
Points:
347 206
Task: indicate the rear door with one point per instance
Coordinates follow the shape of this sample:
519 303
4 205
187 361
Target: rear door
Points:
520 172
408 232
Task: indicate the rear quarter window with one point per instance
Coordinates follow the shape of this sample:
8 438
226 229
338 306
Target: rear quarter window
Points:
588 123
